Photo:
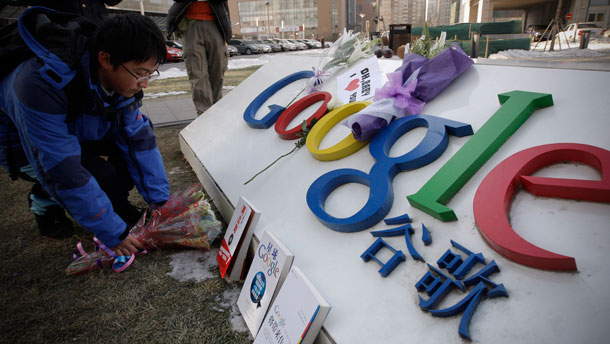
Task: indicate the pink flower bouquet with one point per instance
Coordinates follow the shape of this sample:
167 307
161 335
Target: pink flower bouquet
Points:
185 220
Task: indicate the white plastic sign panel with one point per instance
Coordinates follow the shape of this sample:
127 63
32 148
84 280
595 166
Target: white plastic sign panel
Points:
359 82
233 235
543 306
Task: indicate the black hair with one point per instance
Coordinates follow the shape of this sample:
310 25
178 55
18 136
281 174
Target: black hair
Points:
129 37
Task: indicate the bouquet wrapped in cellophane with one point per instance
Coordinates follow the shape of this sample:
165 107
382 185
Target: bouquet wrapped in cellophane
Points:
427 69
344 52
185 220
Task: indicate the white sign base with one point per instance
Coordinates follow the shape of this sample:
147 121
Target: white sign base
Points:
543 306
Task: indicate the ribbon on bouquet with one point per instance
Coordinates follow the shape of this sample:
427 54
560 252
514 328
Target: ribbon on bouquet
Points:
103 256
317 76
402 93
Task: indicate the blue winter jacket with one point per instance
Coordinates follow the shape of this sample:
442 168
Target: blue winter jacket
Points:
39 120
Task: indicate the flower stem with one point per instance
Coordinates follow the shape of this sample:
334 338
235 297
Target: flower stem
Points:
295 97
276 160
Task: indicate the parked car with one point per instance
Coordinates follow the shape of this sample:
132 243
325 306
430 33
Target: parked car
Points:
173 54
274 46
306 42
243 47
286 45
232 50
310 43
316 44
538 32
174 44
574 30
264 48
300 45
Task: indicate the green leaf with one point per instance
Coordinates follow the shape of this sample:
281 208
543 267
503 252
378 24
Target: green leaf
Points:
313 122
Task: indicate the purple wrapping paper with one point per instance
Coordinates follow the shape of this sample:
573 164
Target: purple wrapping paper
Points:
367 126
422 80
435 74
366 123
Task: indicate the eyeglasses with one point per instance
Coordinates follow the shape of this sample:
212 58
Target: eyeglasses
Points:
141 78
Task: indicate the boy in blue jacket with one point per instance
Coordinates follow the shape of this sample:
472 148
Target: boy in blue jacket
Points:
70 122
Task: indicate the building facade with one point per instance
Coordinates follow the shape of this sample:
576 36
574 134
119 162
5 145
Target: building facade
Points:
327 18
401 12
595 11
311 19
155 9
148 6
530 12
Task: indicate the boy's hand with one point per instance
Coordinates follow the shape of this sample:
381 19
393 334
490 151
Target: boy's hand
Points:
130 245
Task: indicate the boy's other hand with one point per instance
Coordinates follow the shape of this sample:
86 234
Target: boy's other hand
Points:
129 245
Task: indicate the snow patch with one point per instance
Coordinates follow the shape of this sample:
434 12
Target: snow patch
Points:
172 73
193 265
596 48
199 266
162 94
229 299
237 63
248 62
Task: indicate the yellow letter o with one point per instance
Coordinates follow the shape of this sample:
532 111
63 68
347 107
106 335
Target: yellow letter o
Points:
345 147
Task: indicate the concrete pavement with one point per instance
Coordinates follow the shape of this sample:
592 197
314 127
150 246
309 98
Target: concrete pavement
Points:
171 110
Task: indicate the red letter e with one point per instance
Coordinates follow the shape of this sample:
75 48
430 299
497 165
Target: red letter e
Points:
493 197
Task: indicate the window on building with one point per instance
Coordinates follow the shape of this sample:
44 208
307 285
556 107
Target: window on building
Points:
600 17
599 2
596 17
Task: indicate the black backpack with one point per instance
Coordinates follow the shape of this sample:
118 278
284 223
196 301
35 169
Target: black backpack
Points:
14 50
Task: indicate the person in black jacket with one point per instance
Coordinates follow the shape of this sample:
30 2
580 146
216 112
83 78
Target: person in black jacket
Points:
94 10
206 29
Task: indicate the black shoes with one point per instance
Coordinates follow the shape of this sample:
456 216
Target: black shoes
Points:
130 214
54 224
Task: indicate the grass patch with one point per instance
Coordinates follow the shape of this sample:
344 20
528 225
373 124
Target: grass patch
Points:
232 78
41 304
180 84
